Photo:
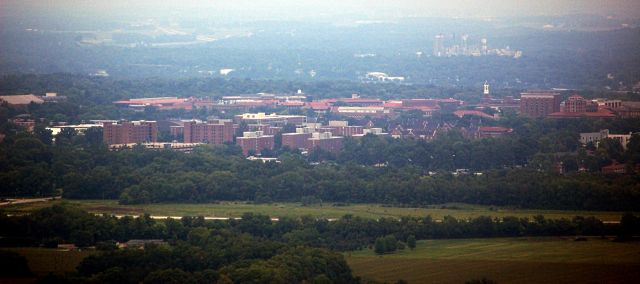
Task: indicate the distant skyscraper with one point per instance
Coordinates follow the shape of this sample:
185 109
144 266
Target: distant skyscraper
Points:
485 48
438 46
465 45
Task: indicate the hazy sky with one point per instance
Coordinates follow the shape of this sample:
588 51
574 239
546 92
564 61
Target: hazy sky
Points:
298 9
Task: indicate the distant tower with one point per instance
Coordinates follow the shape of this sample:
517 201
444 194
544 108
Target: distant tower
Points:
486 97
465 47
485 49
438 46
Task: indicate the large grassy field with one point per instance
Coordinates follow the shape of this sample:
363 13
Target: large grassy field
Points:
505 260
327 210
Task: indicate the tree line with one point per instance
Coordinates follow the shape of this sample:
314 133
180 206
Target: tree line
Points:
255 248
82 168
67 224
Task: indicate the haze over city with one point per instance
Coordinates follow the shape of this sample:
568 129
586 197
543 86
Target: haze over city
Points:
243 10
332 141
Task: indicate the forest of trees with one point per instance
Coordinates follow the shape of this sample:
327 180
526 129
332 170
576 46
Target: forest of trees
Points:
80 167
257 249
515 171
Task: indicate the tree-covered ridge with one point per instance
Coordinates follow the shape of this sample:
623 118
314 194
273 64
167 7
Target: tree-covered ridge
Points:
67 224
256 248
413 172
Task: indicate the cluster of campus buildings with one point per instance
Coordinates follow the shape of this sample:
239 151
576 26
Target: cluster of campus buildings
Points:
547 104
532 104
262 130
354 106
254 132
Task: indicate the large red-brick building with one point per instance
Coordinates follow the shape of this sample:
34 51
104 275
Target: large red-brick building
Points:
130 132
255 142
575 103
341 128
325 141
211 132
539 104
295 140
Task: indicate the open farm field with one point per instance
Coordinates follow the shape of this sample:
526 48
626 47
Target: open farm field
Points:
326 210
505 260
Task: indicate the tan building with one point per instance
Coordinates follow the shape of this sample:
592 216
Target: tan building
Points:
21 100
362 112
273 119
595 137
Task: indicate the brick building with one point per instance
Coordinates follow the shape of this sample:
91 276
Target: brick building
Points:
539 104
628 109
265 128
130 132
575 103
295 140
342 128
255 142
211 132
324 141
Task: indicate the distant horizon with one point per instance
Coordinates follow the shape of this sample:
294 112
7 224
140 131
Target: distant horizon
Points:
245 10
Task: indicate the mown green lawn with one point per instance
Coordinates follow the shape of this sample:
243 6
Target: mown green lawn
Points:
326 210
505 260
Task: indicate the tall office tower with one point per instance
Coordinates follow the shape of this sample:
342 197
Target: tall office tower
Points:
485 48
438 46
465 45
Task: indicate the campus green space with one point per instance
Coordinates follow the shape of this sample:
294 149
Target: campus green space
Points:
504 260
325 210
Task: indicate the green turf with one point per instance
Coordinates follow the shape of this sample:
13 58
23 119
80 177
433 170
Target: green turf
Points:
510 260
327 210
